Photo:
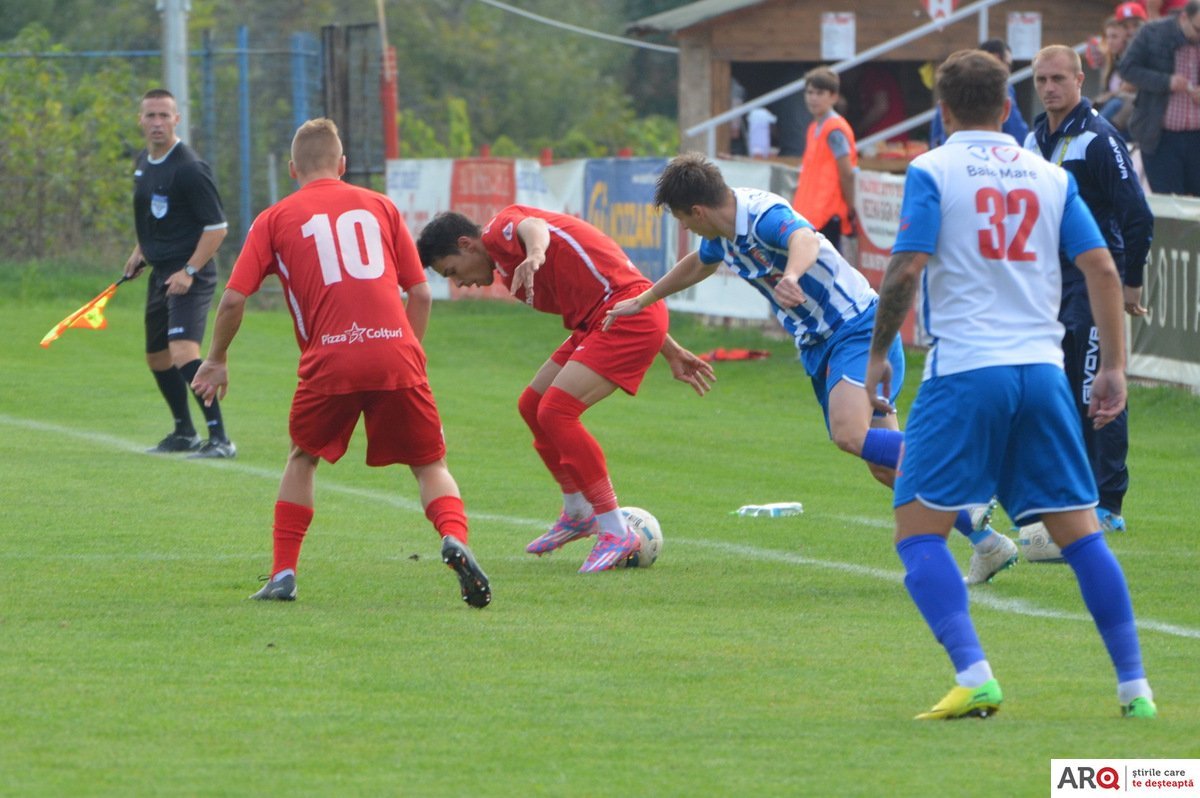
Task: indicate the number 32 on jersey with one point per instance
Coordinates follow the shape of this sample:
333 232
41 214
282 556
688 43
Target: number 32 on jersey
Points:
1022 205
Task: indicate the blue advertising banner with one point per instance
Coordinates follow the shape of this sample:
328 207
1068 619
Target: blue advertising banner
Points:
619 200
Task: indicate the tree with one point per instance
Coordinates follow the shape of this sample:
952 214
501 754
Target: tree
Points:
64 151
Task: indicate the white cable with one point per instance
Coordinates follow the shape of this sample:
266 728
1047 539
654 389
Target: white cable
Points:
662 48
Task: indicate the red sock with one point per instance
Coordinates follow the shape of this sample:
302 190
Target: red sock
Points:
291 523
558 416
528 405
601 496
449 517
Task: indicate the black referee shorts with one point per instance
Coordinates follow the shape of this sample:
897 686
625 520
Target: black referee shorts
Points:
178 318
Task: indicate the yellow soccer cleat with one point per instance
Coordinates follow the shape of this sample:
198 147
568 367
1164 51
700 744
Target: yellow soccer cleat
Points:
967 702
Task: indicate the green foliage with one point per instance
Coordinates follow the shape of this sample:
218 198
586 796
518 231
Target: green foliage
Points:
65 151
418 139
460 128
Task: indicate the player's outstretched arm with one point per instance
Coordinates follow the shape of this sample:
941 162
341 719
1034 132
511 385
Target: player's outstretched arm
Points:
1105 293
687 367
684 274
212 378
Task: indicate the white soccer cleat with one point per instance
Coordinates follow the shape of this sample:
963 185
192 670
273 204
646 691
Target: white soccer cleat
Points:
986 564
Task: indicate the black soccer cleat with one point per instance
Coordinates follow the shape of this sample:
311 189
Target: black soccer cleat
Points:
281 589
474 582
176 442
214 449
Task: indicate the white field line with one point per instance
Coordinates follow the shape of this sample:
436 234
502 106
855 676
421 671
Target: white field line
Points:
980 597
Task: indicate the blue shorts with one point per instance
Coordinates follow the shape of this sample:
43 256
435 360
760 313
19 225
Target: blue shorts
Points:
1005 431
844 357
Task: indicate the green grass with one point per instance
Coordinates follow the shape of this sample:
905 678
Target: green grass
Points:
759 657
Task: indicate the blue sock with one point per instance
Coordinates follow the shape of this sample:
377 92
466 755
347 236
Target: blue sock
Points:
962 522
936 586
883 447
1106 594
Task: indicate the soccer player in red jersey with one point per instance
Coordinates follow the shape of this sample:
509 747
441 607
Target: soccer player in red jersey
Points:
562 265
343 255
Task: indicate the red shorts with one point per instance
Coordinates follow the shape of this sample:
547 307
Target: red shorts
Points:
624 352
403 425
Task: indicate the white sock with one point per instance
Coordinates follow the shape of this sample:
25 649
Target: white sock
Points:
612 522
575 506
974 676
1134 688
282 574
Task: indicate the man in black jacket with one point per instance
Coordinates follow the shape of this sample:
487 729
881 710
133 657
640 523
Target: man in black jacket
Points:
1073 135
1164 63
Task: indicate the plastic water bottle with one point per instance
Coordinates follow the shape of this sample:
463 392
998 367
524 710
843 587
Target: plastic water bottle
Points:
773 510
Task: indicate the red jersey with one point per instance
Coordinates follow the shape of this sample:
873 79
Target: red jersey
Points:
584 268
343 254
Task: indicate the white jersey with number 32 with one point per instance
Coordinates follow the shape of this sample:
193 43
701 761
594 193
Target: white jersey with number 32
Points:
992 216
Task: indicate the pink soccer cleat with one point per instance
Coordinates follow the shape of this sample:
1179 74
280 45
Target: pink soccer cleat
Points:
563 532
610 551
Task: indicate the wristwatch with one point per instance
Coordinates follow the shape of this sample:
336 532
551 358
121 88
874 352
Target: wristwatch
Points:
190 270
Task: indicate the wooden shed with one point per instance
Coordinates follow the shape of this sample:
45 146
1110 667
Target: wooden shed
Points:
765 44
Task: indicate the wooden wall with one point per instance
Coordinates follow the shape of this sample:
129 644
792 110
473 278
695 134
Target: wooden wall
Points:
790 30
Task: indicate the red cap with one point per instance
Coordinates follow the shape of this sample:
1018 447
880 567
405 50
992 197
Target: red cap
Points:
1132 11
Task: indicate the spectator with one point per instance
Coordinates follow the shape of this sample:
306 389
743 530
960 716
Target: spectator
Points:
1014 125
881 101
1115 102
825 190
1163 62
760 122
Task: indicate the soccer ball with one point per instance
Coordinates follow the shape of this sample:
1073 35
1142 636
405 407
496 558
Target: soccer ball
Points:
646 527
1037 545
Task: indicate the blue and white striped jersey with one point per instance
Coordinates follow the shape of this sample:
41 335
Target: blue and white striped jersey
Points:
991 216
835 291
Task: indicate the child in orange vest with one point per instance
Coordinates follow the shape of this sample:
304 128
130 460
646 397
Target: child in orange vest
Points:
825 191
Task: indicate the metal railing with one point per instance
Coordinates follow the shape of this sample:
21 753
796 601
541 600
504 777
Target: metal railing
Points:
709 126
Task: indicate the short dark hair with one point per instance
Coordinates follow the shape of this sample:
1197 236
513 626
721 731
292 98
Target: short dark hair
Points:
439 238
158 94
823 78
997 47
974 86
1192 8
688 180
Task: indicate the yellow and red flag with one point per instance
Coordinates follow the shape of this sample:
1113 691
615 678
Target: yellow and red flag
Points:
90 316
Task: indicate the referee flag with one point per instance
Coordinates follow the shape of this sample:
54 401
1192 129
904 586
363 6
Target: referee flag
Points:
90 316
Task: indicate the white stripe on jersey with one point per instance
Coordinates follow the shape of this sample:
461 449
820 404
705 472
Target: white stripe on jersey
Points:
295 303
834 289
992 287
585 257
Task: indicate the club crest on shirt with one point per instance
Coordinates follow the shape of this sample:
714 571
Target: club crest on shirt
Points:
507 232
158 205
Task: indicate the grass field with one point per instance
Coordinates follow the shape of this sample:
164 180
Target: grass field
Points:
759 657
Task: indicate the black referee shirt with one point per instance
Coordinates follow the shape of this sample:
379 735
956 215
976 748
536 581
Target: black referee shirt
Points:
174 201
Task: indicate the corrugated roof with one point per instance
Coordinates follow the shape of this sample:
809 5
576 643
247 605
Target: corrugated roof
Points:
686 16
